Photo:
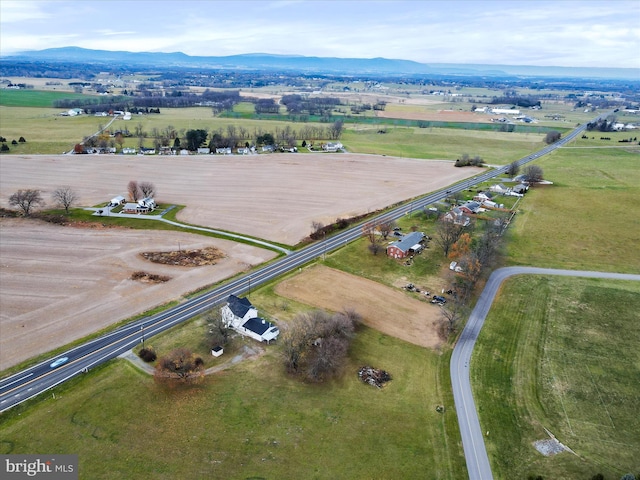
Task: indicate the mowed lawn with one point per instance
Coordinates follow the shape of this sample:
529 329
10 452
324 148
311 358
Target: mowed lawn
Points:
561 354
252 421
586 220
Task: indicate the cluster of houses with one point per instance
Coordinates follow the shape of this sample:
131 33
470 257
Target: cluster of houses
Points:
74 112
413 243
512 112
200 151
516 191
240 315
460 215
145 205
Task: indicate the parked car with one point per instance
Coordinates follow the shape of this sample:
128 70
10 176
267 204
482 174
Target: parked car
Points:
439 300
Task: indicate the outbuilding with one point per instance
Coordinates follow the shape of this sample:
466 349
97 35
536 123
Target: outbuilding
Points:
115 201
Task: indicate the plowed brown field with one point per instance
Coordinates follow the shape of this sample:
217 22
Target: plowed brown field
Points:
388 310
275 197
58 284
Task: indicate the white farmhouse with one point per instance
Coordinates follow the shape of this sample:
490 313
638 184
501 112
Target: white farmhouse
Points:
242 316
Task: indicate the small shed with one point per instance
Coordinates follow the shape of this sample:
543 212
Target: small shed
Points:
217 351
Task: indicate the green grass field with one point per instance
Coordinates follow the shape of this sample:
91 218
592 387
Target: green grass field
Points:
561 354
496 148
34 98
582 221
253 422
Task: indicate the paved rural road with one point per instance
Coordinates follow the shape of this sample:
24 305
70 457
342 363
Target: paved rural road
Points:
32 381
475 452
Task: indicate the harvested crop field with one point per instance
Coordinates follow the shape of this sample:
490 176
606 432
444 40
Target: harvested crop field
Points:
387 310
58 284
275 197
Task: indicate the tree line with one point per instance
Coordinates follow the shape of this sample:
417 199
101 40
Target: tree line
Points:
221 100
234 136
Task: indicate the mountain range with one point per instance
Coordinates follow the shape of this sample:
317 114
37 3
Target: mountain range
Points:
305 64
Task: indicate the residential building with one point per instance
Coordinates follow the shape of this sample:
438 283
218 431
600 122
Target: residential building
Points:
409 244
240 315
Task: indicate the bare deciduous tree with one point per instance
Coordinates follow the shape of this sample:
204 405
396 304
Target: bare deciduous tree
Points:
552 137
294 339
335 130
533 174
315 344
447 233
148 189
65 197
370 230
180 365
26 200
452 313
385 227
134 190
316 229
513 169
327 357
219 331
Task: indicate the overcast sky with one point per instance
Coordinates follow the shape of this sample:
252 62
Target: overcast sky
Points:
580 33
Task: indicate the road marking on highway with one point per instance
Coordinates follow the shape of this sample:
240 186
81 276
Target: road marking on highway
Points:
18 380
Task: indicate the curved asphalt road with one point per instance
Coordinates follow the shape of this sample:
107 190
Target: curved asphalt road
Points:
32 381
472 439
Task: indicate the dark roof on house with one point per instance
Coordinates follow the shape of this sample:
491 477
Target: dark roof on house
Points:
257 325
239 306
472 206
408 241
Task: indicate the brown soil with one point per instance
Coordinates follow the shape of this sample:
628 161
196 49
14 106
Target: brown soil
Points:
146 277
186 258
388 310
274 196
58 284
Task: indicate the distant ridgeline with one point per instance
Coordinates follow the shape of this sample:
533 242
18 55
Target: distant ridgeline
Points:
54 61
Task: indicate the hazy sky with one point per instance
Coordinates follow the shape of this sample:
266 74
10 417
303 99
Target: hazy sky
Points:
581 33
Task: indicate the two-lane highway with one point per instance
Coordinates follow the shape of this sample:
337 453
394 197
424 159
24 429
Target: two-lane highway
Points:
41 377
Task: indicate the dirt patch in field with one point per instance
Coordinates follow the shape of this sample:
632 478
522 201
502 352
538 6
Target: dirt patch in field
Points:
146 277
549 447
387 310
186 258
275 196
58 284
